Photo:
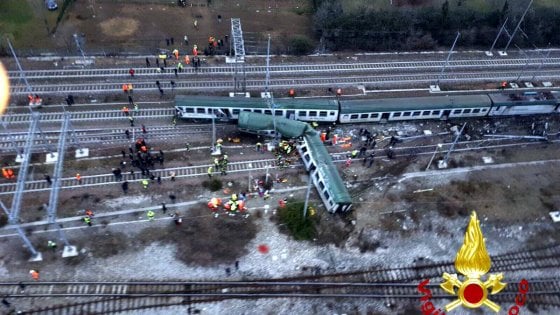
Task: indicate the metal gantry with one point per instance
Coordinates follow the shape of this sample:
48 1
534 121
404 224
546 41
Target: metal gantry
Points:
69 250
240 83
518 26
77 41
20 69
13 213
448 58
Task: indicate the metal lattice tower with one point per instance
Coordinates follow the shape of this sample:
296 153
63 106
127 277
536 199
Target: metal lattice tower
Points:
239 51
53 198
518 25
13 213
80 48
448 58
20 69
498 36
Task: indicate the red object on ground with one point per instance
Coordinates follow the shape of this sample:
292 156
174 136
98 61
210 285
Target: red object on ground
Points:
263 249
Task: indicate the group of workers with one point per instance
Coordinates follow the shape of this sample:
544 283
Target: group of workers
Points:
235 204
34 100
8 173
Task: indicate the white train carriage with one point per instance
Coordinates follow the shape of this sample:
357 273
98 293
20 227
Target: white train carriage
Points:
429 107
525 103
228 108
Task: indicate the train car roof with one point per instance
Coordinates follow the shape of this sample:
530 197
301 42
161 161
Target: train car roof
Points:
219 101
525 98
326 167
251 102
414 103
307 103
286 127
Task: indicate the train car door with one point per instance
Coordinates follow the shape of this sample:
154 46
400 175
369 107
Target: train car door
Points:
291 114
446 114
385 116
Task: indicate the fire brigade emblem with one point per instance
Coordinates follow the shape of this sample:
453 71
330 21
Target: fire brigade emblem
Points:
473 262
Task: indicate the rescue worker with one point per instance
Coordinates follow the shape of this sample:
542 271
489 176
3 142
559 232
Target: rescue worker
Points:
125 88
145 183
89 213
130 88
174 121
150 215
131 119
338 92
176 54
348 162
125 110
87 220
292 93
136 108
172 176
259 146
210 170
234 197
131 71
187 60
34 274
51 244
180 67
354 154
195 50
216 162
78 177
48 179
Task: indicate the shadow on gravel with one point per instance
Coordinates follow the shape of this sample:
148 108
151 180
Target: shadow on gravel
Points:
204 240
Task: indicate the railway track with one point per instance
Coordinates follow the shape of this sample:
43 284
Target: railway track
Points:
236 167
91 115
109 297
288 68
258 84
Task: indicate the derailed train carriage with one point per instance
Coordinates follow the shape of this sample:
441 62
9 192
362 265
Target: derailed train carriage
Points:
315 156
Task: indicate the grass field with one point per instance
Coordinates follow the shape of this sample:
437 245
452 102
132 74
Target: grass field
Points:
26 21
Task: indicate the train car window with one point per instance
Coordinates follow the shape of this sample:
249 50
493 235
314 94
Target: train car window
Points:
406 114
307 157
332 113
435 112
364 115
457 111
302 114
426 113
322 113
201 111
246 110
235 111
268 112
374 115
354 116
326 193
321 185
258 111
312 113
467 111
476 110
396 114
416 114
189 110
278 113
484 110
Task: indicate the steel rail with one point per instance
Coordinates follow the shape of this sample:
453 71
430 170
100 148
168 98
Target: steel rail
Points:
287 68
233 167
210 85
